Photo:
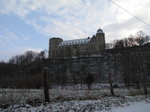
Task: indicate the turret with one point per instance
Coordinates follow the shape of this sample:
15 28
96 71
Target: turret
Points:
98 41
100 36
100 33
53 47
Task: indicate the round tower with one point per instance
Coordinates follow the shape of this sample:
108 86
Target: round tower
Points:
100 33
54 46
98 42
101 37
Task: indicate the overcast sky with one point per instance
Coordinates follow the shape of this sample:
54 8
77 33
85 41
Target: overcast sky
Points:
28 24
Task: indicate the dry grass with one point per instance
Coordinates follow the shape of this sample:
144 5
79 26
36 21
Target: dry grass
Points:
35 96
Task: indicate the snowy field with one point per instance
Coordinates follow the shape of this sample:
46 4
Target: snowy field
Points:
103 104
15 96
74 100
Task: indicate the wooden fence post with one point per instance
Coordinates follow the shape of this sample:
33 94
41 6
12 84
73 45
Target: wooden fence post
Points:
45 86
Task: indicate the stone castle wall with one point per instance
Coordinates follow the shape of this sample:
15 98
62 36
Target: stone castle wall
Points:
73 62
123 64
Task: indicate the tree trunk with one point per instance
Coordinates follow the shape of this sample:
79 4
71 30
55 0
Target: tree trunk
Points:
110 83
45 86
145 89
144 85
143 74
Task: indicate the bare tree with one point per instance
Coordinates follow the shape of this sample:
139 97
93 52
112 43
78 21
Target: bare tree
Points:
89 80
133 40
119 44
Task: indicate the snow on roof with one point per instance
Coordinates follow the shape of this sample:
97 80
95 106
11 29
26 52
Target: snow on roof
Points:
76 41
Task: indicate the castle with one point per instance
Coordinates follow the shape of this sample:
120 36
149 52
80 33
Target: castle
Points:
72 60
86 47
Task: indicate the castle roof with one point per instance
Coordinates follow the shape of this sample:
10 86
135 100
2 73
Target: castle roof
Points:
76 41
100 31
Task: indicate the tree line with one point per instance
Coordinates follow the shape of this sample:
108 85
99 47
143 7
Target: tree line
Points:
139 39
22 71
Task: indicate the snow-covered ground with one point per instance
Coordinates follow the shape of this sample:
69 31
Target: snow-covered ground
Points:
103 104
22 95
135 107
69 100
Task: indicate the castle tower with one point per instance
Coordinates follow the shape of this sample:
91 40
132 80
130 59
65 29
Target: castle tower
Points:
101 37
98 42
100 33
54 47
